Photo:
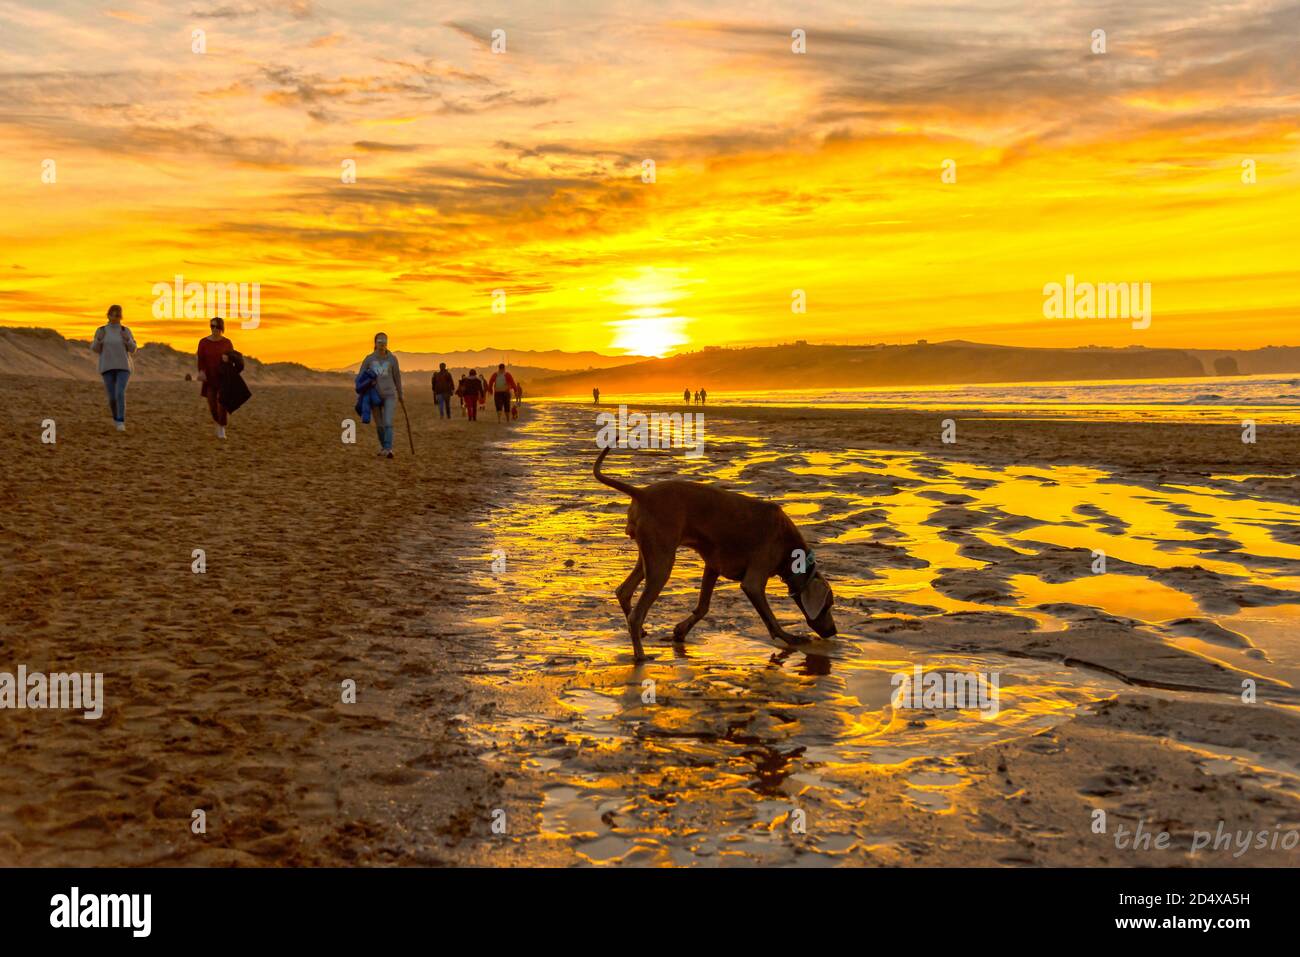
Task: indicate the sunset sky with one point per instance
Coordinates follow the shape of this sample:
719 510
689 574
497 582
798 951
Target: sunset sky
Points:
775 171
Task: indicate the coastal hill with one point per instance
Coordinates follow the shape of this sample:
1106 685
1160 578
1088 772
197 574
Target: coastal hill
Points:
529 362
43 352
424 370
818 368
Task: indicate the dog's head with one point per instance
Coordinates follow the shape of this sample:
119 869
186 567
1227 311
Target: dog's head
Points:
812 593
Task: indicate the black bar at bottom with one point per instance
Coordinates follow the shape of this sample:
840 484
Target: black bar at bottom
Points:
534 906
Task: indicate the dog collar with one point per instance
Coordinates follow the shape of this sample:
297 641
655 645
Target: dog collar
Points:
798 581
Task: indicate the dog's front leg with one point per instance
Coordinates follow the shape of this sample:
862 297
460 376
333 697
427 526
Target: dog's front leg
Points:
658 562
701 607
755 588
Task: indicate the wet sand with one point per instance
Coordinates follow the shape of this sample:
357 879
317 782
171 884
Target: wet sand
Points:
1119 693
469 593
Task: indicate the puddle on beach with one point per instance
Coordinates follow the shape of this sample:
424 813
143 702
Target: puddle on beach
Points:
705 754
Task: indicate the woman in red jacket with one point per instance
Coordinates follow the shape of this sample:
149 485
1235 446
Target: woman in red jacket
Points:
473 394
211 349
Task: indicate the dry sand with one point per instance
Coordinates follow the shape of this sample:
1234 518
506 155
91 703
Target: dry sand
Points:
224 689
509 690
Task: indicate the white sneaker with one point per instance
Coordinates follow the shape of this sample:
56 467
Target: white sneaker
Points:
120 426
221 431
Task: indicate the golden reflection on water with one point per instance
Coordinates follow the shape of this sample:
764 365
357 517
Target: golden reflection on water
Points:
702 755
1138 598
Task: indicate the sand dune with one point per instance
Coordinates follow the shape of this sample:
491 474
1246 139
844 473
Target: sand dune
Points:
43 352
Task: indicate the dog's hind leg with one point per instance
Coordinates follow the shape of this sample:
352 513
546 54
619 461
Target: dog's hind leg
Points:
658 566
701 607
626 590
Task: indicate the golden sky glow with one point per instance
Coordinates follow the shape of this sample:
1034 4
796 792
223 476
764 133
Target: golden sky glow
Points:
774 171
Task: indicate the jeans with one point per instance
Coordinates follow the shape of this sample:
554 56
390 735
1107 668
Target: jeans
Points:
384 423
115 386
444 404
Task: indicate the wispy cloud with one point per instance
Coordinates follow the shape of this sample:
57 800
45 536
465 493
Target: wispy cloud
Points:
527 171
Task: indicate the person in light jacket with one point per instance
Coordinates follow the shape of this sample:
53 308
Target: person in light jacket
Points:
388 380
113 343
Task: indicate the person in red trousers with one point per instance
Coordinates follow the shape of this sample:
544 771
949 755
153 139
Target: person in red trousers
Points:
473 395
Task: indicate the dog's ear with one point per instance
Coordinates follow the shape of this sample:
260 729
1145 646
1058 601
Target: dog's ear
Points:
816 597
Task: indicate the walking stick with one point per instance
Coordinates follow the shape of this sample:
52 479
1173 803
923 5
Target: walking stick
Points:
409 437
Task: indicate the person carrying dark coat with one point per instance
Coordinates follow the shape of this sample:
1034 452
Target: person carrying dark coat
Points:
233 390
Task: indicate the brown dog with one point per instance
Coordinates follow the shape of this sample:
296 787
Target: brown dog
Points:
739 538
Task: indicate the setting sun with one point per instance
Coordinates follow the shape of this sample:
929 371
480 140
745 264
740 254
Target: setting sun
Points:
649 335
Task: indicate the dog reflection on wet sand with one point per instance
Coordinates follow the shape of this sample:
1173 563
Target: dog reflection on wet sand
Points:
740 538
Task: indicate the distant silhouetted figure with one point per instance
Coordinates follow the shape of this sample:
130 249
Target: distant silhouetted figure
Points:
703 396
595 396
502 385
686 396
444 387
473 393
697 396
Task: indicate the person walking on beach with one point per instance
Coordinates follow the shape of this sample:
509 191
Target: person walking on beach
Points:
460 393
686 396
211 348
113 343
703 396
595 396
501 385
388 380
443 388
473 394
482 391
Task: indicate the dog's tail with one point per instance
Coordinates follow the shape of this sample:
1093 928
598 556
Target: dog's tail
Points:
612 483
